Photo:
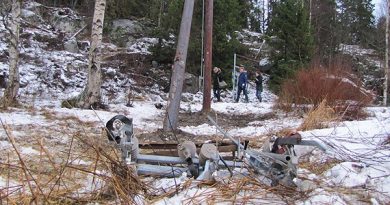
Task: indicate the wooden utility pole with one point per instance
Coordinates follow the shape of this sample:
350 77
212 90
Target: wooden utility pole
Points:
386 83
208 56
178 70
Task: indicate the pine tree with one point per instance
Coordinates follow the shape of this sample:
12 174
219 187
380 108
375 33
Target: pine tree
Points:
255 15
229 16
356 22
293 45
324 23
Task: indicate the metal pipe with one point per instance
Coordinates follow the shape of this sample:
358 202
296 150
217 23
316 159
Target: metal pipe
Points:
157 170
234 77
160 159
177 160
313 143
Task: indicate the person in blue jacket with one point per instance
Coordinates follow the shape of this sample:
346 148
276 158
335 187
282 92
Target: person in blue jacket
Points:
242 82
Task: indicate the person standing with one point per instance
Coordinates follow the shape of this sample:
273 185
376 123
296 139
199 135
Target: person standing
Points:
216 79
259 84
242 82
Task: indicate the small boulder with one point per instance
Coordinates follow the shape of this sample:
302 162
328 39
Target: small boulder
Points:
154 64
190 83
71 46
127 26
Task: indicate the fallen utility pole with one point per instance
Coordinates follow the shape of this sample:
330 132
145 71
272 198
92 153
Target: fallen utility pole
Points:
208 56
278 162
280 168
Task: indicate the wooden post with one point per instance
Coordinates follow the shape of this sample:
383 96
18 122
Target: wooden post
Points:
208 56
179 65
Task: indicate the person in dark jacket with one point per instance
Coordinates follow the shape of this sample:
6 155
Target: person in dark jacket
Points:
259 85
216 79
242 82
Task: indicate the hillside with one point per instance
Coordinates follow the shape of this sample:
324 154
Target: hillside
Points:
54 154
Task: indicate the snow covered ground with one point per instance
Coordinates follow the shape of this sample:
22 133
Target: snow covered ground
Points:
360 150
355 169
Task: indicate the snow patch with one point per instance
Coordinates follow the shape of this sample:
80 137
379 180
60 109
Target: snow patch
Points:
142 45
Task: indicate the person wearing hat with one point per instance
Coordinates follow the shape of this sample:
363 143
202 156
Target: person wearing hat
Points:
216 79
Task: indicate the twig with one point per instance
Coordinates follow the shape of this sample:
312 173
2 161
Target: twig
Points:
63 168
78 32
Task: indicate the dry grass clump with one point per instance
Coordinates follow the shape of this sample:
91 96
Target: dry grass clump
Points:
87 169
318 117
245 190
321 168
336 83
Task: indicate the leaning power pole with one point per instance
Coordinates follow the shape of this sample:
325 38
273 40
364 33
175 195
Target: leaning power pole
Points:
386 83
208 56
178 69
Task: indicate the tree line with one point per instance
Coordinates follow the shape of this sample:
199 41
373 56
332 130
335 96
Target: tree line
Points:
298 31
304 29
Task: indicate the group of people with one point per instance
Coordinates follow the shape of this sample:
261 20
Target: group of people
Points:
241 84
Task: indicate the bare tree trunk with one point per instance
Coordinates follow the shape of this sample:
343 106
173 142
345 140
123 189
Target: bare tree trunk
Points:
160 13
263 17
177 79
310 13
91 94
386 83
208 54
12 89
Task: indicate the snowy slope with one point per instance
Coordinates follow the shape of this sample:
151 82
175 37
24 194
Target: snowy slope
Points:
354 170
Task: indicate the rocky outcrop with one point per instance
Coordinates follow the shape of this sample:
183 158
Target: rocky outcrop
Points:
191 83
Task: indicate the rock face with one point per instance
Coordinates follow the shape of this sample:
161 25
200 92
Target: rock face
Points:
191 83
125 31
66 21
368 65
127 25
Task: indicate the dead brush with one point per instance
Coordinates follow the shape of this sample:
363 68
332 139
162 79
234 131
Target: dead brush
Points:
246 190
86 170
336 83
318 117
319 168
122 181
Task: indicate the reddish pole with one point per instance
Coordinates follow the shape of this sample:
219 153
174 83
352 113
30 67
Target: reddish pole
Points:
208 61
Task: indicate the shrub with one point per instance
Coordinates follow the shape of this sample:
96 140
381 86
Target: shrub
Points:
318 117
336 84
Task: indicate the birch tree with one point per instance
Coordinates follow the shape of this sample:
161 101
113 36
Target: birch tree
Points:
91 95
177 79
386 82
12 24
